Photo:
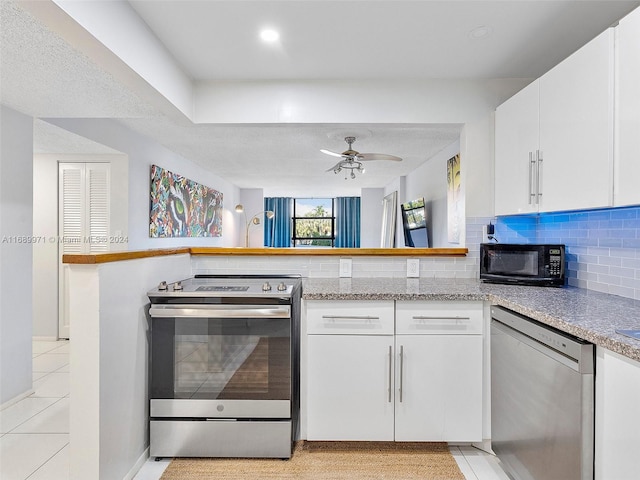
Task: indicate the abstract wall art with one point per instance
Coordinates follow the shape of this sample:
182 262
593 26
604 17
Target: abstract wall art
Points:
183 208
455 200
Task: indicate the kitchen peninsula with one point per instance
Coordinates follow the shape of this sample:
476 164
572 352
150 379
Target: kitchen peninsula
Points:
109 321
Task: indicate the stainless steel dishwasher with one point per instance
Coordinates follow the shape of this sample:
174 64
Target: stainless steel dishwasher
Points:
542 399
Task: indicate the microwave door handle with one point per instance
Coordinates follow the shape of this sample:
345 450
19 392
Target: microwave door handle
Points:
485 261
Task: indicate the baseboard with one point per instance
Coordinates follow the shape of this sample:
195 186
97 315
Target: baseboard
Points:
44 339
16 399
484 445
138 465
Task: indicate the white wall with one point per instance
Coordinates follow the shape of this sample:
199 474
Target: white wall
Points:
143 153
16 227
109 418
372 101
430 181
253 201
45 225
476 163
371 217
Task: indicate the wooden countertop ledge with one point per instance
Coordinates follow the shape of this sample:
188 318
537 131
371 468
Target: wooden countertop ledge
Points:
343 252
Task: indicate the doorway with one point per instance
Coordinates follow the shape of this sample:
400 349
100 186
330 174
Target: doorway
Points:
83 222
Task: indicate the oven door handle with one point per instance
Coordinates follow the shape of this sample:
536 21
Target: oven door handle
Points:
217 311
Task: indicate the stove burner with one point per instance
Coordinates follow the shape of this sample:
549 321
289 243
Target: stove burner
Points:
221 288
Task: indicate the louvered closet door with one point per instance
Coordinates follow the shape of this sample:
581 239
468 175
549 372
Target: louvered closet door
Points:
97 198
83 221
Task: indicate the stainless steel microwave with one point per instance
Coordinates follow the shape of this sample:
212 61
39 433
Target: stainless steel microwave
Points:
522 264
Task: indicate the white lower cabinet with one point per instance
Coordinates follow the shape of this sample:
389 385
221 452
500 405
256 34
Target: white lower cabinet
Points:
348 393
404 371
617 438
441 378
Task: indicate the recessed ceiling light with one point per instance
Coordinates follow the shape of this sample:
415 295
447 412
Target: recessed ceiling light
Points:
479 32
269 35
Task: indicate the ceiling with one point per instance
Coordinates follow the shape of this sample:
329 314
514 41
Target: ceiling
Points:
41 74
374 39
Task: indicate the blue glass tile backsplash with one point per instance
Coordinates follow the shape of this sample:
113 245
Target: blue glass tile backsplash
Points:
603 246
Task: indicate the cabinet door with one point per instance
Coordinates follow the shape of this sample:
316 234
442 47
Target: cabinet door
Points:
576 129
617 441
627 166
440 377
350 387
516 142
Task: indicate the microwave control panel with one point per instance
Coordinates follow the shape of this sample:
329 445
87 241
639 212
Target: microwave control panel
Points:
555 263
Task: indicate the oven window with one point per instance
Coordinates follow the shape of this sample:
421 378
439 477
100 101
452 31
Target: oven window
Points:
523 263
239 359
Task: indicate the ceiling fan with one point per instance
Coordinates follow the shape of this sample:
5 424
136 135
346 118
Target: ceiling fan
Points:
352 160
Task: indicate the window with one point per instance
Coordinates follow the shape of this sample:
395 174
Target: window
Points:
313 222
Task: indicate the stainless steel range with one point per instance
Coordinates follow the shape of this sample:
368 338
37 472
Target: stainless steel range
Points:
225 366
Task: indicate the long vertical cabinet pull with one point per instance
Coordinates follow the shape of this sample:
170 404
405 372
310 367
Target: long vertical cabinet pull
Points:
390 373
401 367
539 179
532 163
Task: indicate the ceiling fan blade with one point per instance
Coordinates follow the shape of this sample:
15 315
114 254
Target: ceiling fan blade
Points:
329 152
378 156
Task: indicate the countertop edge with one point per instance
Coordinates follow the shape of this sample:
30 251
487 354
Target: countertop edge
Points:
90 259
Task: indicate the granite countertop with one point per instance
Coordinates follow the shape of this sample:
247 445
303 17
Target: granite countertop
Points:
586 314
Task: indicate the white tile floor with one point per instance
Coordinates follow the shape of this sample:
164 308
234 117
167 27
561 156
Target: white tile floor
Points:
34 432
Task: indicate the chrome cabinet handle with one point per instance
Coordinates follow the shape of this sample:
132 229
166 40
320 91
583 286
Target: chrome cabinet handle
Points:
531 164
429 317
539 175
350 317
401 368
390 372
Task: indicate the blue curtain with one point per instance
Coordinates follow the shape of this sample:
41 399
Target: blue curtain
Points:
347 222
277 231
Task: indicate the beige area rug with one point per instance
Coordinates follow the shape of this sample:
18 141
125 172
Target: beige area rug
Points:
329 461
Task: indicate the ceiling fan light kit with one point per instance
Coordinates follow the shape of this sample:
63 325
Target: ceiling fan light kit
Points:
352 159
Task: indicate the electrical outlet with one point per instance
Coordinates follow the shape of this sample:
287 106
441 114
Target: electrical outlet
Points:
485 234
345 267
413 267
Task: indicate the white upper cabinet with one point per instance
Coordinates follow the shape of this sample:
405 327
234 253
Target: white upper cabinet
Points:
517 140
576 129
554 139
627 161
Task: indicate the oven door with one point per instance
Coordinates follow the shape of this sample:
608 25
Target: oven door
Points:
220 361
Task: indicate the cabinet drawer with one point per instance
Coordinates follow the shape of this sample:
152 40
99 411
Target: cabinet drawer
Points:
350 317
430 318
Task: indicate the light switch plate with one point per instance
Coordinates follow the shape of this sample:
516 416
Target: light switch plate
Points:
413 267
345 267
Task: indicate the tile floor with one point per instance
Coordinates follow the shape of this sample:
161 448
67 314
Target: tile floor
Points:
34 432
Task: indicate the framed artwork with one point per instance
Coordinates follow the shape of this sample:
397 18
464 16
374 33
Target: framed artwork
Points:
455 200
183 208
